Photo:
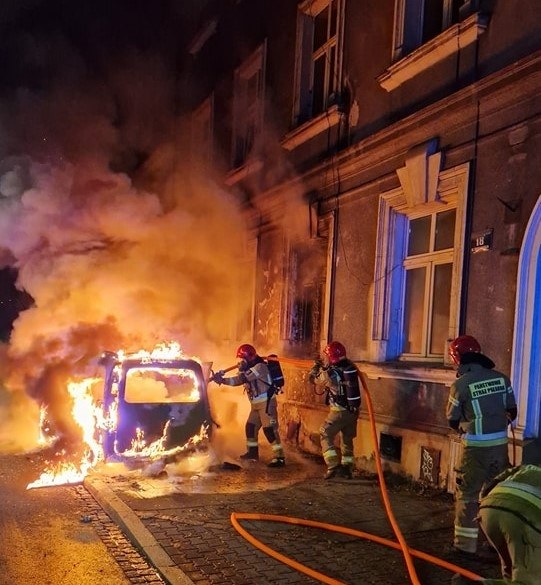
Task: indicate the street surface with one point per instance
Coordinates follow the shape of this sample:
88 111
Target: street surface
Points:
188 516
59 535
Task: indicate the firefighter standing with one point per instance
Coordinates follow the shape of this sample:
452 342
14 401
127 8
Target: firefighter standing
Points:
258 385
481 404
340 378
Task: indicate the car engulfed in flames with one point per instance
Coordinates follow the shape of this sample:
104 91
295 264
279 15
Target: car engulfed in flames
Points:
160 405
151 406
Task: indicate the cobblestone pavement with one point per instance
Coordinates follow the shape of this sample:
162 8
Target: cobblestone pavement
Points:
133 563
190 519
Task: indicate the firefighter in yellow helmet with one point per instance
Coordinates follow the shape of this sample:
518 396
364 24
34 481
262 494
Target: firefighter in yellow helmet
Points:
254 374
481 404
340 379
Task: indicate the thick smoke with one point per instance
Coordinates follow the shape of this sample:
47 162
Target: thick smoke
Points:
118 247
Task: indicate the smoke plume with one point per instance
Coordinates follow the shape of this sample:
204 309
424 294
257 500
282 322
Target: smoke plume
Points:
114 241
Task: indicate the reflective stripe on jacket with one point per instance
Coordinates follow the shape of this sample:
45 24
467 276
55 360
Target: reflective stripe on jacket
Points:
480 399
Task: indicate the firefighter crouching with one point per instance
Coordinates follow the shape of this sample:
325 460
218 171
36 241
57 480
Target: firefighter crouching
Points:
510 517
258 384
343 396
481 405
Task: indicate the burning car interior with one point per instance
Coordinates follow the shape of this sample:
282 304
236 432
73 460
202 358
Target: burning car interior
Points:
161 403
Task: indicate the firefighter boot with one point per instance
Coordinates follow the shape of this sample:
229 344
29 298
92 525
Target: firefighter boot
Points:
251 455
332 472
346 471
277 462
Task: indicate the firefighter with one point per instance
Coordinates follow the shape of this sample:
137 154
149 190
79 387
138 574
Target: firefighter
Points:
481 404
343 396
258 385
510 518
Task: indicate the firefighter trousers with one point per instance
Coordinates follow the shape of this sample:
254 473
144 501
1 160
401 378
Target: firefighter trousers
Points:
518 544
477 466
345 423
260 417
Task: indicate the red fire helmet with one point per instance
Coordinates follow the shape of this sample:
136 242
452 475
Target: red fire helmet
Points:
335 351
246 352
461 345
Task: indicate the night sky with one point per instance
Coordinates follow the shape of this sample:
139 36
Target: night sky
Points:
103 219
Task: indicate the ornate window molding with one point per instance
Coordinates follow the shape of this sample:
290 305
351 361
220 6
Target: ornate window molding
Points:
425 190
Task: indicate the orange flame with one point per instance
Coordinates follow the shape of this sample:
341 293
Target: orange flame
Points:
85 414
156 450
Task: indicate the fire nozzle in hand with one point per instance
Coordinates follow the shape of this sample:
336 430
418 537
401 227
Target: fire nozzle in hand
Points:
316 368
217 377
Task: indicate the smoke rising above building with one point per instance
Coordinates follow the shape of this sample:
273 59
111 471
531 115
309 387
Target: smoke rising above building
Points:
115 244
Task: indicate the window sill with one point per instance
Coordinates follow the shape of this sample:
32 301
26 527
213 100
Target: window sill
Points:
248 168
413 371
447 43
312 128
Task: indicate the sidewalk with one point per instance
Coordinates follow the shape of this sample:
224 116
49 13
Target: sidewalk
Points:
183 525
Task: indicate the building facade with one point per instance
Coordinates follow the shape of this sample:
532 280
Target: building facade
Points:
387 156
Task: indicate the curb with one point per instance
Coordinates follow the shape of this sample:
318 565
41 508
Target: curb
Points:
136 531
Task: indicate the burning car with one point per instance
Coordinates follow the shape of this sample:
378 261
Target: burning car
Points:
150 406
156 405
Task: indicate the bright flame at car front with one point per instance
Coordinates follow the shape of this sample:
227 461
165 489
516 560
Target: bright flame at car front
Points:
86 414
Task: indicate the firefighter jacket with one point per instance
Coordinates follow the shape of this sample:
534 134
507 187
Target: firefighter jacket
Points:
256 379
481 401
341 381
517 491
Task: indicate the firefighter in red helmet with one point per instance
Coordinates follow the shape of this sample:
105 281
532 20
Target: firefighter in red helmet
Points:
481 404
340 379
254 374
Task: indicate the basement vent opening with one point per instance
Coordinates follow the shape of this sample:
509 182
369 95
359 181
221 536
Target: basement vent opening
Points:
390 447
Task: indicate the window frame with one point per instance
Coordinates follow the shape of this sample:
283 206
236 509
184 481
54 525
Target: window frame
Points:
407 65
395 210
409 24
253 66
305 58
202 151
429 260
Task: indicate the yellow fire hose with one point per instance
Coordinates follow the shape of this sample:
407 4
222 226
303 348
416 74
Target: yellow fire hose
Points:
400 545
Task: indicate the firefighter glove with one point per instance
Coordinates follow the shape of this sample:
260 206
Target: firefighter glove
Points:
218 377
314 372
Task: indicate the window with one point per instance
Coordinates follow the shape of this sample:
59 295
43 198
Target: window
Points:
319 58
419 21
428 267
202 133
419 263
303 296
248 96
427 32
